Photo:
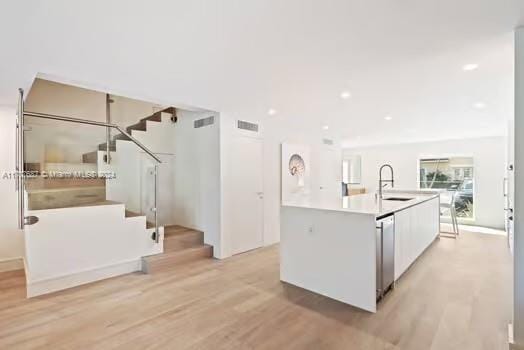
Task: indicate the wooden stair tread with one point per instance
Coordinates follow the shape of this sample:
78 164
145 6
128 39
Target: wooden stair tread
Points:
178 230
156 117
131 214
82 205
121 137
181 238
170 260
112 146
64 189
91 157
39 183
170 110
141 125
202 250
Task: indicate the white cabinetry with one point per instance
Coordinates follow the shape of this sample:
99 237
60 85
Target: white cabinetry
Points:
415 229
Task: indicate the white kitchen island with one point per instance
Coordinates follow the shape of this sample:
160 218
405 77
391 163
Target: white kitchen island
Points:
332 251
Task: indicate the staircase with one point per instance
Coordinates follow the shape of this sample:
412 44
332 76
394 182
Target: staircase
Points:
65 192
181 246
92 157
128 194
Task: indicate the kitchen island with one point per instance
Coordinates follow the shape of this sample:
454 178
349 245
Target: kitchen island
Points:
333 250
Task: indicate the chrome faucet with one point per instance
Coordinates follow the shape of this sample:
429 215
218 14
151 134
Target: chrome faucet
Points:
383 183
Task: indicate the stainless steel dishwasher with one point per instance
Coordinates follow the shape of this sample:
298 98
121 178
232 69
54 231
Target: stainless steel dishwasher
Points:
385 255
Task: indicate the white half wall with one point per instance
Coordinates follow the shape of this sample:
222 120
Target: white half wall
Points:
489 161
73 246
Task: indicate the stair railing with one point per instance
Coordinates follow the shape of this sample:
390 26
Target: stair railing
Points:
20 159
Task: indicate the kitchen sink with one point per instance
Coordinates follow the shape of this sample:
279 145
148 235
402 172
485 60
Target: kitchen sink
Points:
400 199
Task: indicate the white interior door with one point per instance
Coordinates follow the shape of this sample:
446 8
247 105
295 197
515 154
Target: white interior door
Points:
247 196
330 178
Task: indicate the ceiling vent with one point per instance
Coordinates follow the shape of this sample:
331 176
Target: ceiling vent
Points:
247 126
327 142
200 123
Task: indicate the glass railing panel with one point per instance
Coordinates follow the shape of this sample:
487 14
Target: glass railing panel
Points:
67 166
61 164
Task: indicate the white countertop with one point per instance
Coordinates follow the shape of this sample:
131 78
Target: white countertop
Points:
370 205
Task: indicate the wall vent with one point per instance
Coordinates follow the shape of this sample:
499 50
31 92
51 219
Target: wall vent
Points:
327 142
247 126
200 123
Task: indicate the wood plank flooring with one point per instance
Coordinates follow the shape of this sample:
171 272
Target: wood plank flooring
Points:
456 296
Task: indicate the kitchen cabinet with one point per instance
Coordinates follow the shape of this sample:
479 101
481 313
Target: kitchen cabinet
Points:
416 228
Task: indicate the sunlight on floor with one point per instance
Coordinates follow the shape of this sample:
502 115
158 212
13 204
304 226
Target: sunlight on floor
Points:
473 229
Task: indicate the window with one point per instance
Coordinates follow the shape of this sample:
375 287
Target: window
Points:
454 174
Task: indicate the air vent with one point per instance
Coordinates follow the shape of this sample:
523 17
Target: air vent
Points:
247 126
327 142
200 123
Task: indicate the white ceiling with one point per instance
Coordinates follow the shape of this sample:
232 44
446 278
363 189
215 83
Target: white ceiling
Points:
401 58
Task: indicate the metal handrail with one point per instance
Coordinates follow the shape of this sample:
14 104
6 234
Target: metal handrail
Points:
20 159
92 122
21 113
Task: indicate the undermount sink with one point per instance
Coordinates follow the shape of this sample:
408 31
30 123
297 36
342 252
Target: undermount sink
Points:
400 199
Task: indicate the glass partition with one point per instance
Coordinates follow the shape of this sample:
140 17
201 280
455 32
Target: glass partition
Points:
67 166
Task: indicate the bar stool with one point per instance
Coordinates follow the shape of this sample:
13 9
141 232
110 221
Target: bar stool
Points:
449 205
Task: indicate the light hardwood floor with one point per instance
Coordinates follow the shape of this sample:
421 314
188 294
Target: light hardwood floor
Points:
456 296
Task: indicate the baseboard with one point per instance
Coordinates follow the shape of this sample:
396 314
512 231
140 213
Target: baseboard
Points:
35 288
11 264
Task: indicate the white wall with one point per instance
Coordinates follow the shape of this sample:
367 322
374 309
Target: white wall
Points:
197 176
489 162
11 239
274 132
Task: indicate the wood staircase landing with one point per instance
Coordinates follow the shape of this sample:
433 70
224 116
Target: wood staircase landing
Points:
181 246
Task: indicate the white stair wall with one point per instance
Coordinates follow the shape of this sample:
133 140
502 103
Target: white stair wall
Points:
159 136
73 246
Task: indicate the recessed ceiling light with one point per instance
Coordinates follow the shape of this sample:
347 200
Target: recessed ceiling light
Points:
325 127
345 95
469 67
388 117
479 105
271 111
